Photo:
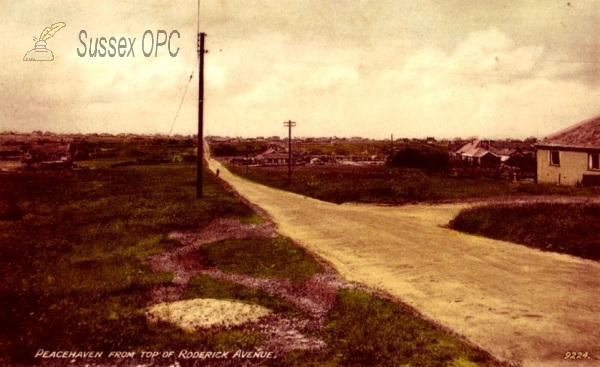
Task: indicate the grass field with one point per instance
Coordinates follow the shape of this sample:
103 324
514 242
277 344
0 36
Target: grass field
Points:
70 253
71 245
392 185
559 227
362 329
365 330
271 258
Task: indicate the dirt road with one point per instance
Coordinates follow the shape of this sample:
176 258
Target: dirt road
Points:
522 305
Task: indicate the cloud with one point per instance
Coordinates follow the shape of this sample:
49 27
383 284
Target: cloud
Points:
487 86
337 68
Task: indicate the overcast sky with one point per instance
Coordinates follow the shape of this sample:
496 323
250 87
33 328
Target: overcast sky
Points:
412 68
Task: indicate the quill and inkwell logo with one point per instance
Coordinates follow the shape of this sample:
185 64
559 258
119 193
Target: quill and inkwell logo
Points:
40 52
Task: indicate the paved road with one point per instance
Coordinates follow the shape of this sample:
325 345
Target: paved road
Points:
522 305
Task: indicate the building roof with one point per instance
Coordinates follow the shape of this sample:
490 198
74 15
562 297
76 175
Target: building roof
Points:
272 153
469 148
481 152
502 151
475 149
585 134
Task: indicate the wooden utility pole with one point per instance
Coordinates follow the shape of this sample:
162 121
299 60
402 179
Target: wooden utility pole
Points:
200 118
289 124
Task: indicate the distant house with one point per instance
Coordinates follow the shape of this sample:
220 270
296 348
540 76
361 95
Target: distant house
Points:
316 161
273 159
275 156
522 158
477 153
503 153
571 156
46 156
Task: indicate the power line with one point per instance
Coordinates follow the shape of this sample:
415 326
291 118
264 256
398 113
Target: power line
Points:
183 97
191 74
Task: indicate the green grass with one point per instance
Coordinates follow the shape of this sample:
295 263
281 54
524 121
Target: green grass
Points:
204 286
364 330
393 185
261 257
72 278
361 330
565 228
70 249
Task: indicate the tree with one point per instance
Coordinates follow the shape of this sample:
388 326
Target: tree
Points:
421 156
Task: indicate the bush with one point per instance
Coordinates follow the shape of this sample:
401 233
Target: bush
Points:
421 156
564 228
224 150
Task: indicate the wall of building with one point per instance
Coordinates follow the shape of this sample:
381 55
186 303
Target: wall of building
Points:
573 165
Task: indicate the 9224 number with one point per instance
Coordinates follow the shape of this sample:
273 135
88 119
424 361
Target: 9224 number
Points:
576 355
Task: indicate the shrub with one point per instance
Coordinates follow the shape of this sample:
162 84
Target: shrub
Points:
558 227
421 156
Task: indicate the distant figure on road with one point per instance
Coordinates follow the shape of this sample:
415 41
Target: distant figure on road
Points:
217 172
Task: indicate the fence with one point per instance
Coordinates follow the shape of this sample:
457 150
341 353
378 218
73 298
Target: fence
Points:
505 173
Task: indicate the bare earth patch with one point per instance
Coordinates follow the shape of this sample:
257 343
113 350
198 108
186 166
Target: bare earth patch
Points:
315 297
194 314
184 262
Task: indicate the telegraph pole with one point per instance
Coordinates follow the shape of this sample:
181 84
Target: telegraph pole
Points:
289 124
200 117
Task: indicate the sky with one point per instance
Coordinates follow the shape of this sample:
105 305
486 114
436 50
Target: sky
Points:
369 68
